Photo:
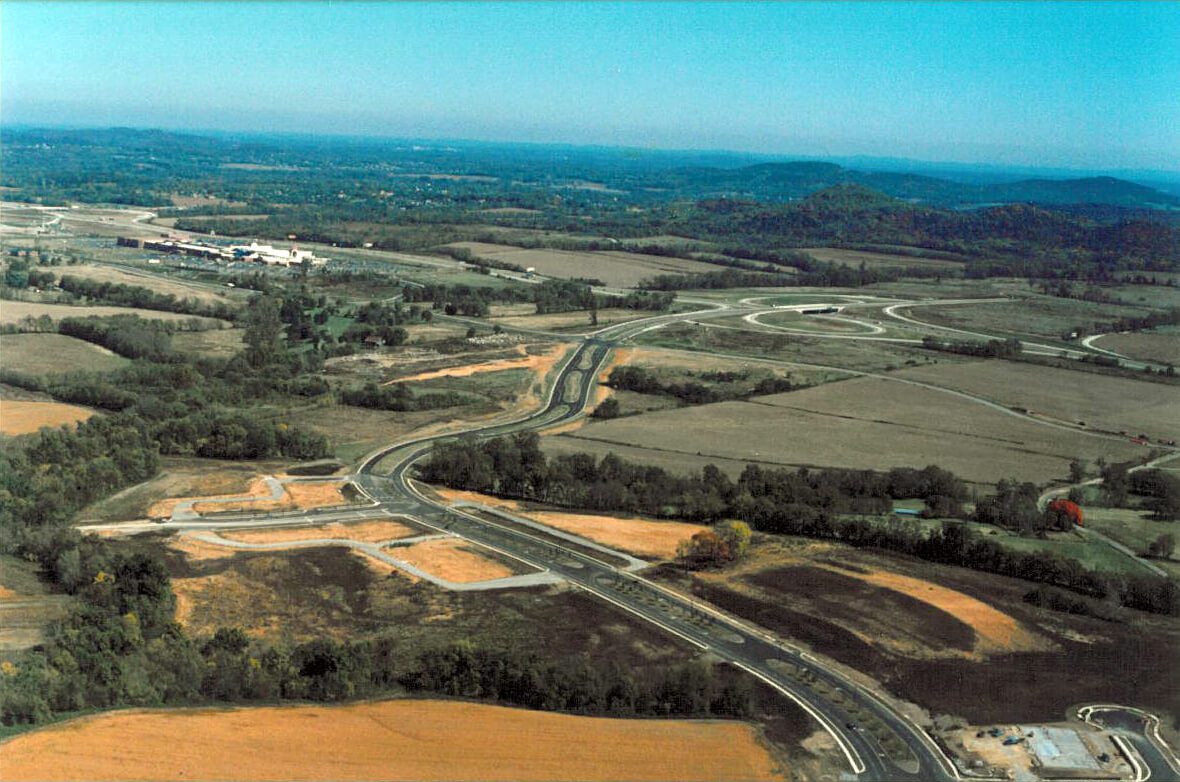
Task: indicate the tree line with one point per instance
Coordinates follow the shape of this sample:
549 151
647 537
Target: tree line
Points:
399 397
123 295
812 503
730 385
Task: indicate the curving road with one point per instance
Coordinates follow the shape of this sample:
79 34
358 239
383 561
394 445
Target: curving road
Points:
878 741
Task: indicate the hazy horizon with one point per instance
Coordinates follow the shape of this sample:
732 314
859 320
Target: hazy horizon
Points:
1063 86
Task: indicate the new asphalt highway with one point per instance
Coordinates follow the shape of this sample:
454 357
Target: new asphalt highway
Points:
876 739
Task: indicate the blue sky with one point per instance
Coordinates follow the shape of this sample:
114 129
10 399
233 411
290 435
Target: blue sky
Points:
1055 84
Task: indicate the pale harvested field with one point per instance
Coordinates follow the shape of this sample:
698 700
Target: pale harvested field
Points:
995 631
16 311
372 531
570 320
453 560
1110 403
1164 348
865 423
155 282
390 740
617 269
540 363
54 354
219 343
27 417
872 259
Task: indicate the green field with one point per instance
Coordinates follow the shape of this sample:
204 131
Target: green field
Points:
847 353
54 354
1132 527
1039 317
1091 553
219 343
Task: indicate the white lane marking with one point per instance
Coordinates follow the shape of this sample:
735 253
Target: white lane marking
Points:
853 757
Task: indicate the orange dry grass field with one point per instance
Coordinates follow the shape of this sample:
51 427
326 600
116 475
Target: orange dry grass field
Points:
996 632
453 560
372 531
26 417
390 740
457 495
638 536
641 537
295 495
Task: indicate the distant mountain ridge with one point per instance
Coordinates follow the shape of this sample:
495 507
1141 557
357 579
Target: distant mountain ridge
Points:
793 180
645 175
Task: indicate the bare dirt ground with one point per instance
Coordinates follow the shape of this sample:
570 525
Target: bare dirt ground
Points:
389 740
1111 403
27 417
540 363
16 311
890 611
453 560
55 354
996 632
372 531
